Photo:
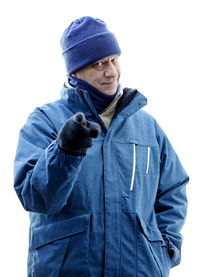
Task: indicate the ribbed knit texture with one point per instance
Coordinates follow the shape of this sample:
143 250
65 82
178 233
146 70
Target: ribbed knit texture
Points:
85 41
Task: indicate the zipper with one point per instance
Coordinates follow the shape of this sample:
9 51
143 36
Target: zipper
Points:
134 165
133 169
148 159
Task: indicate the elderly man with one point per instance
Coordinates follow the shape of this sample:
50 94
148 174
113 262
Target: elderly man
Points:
104 187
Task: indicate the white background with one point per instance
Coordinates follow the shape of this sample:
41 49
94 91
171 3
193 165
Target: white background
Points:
160 57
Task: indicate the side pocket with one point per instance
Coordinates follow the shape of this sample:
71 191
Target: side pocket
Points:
48 258
152 252
60 248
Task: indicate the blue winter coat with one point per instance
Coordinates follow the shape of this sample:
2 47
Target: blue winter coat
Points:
115 212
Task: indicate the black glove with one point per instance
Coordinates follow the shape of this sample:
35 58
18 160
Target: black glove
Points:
76 135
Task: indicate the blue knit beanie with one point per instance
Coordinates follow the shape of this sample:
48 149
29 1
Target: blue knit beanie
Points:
85 41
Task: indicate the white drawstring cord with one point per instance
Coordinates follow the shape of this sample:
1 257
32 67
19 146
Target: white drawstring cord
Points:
134 164
148 159
133 170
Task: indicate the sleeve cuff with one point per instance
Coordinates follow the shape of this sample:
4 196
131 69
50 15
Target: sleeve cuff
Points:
174 254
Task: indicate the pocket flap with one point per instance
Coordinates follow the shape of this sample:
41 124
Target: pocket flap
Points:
151 233
58 230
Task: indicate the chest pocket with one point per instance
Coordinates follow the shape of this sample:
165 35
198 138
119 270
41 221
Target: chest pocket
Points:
134 158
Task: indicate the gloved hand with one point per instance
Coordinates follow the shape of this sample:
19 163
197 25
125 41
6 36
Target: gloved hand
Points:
75 136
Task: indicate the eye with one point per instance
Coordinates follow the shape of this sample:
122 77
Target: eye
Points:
98 64
115 61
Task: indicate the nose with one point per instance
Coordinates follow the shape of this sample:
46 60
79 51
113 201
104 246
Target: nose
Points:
111 71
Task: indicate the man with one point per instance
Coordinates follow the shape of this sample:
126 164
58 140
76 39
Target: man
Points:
104 187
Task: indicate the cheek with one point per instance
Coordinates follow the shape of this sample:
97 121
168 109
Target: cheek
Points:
95 79
87 76
118 72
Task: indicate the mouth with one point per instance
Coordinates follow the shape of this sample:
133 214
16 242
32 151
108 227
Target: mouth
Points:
109 84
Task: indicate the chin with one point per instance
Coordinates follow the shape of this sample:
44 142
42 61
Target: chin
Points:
110 92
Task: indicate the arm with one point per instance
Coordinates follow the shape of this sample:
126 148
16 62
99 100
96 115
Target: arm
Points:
44 175
171 201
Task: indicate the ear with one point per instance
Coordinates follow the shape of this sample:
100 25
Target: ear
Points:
74 74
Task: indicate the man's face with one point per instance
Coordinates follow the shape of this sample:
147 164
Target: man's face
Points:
104 74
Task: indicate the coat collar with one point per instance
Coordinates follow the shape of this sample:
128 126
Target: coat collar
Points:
79 100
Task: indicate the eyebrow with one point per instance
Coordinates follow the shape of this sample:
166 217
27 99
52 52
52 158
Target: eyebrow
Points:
102 60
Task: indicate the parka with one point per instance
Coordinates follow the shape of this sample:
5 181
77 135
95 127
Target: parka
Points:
115 212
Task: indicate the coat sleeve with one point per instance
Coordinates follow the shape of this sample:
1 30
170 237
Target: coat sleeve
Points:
171 201
44 175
